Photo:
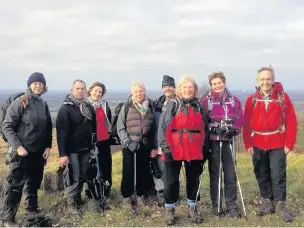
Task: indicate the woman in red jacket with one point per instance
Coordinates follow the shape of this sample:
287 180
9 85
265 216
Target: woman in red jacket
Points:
103 130
182 133
269 132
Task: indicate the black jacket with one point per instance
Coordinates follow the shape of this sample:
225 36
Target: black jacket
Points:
30 127
74 132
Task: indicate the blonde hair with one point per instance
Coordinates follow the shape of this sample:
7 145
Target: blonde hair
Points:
269 68
138 84
184 79
218 74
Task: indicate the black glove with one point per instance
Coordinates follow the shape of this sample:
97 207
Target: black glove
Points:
217 130
133 146
230 132
168 157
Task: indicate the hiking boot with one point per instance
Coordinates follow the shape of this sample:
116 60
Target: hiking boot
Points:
142 201
266 207
160 199
74 209
108 204
170 216
127 202
283 212
30 212
233 213
195 215
215 211
9 223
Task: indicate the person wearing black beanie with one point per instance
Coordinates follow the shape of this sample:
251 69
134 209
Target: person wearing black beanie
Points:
27 126
157 164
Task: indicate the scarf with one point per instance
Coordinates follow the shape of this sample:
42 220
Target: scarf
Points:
141 107
95 104
101 103
83 107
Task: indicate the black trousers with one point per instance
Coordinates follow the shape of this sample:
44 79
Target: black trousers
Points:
143 174
105 162
270 172
171 179
79 164
230 189
26 171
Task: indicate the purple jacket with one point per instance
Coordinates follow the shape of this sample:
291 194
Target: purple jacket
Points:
217 112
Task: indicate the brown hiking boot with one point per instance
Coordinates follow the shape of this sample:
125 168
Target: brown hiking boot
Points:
266 207
170 216
195 215
282 211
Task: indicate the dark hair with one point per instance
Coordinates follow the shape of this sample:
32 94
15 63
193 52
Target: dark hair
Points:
99 84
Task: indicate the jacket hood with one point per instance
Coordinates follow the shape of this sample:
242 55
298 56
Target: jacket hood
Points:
276 88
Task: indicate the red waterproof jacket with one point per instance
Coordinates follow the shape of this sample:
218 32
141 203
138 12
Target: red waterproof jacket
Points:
183 134
270 126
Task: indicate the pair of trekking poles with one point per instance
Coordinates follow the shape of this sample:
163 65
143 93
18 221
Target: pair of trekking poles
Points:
233 156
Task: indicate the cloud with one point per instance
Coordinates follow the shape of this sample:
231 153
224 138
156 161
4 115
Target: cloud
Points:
117 41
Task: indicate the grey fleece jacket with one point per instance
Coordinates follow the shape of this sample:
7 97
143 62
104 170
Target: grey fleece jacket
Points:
30 127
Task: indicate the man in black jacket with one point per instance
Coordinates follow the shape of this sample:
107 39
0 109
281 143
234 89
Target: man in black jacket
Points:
75 124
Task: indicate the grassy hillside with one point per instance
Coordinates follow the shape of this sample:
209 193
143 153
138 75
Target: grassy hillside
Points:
55 204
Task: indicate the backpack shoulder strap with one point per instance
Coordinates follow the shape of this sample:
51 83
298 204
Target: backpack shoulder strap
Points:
231 99
177 106
210 102
24 101
254 100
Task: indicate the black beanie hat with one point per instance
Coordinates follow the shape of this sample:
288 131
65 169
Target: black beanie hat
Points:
36 77
168 81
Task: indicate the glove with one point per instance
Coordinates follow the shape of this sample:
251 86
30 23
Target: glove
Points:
230 132
168 157
217 130
133 146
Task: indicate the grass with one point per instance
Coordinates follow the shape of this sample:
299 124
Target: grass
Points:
55 204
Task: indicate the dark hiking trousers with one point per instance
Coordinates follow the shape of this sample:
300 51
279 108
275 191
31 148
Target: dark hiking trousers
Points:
270 172
105 162
80 163
230 189
143 174
24 171
171 179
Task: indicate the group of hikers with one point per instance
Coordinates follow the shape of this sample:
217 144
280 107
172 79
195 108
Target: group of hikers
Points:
179 130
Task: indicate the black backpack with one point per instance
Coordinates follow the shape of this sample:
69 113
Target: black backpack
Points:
116 140
7 103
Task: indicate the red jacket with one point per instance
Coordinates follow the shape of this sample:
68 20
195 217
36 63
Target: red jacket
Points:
258 119
186 145
101 125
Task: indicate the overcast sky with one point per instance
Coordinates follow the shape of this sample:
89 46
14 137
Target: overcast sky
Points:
118 41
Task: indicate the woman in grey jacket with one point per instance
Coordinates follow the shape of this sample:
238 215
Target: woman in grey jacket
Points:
28 129
137 129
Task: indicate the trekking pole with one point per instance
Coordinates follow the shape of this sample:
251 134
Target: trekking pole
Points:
100 182
135 187
232 149
197 193
220 181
